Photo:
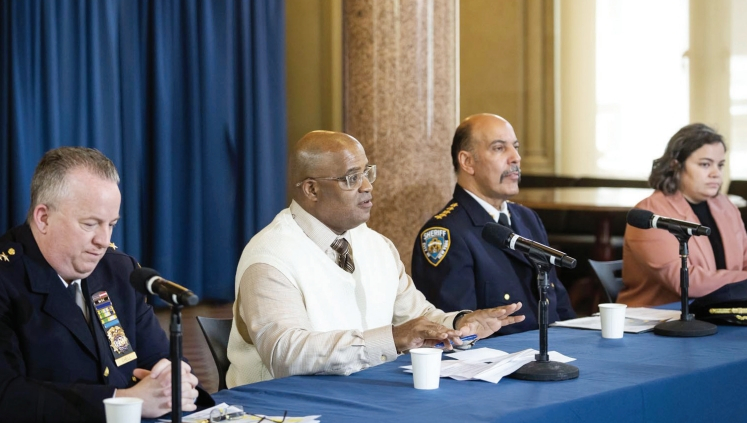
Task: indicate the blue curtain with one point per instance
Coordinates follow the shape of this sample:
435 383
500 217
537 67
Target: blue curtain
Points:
186 97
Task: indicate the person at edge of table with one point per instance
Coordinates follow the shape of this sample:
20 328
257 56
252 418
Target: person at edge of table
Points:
74 330
452 264
318 292
687 181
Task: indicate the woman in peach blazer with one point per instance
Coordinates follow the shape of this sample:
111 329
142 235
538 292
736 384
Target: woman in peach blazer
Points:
687 178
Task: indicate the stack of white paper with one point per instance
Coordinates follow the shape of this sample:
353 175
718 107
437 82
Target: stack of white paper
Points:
489 364
637 320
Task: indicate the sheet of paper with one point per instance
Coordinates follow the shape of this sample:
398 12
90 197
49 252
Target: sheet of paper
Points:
645 313
637 320
477 354
489 364
204 416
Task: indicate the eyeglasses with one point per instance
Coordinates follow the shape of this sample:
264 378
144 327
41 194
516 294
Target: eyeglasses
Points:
352 181
236 412
232 412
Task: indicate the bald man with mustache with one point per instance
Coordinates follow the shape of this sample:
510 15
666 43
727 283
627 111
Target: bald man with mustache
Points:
451 263
318 292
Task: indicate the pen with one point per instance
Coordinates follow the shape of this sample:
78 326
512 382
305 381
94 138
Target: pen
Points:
466 339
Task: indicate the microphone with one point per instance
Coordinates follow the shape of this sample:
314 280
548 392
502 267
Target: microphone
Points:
148 281
644 219
501 236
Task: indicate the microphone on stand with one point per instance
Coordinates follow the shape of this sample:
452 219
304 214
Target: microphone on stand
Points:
502 237
687 326
644 219
541 256
148 281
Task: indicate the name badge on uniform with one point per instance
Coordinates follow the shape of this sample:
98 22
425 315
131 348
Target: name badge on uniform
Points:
118 342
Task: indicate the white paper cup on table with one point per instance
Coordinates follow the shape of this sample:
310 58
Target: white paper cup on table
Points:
123 410
613 319
426 367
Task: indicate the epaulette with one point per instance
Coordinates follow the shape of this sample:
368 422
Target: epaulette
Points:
445 212
9 253
113 249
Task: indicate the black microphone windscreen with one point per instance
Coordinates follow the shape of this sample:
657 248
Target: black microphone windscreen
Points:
639 218
496 234
139 279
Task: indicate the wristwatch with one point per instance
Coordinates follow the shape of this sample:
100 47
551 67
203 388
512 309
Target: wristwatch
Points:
459 316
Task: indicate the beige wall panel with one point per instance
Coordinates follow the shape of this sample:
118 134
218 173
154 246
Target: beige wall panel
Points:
492 58
400 101
577 91
303 55
313 55
507 68
710 74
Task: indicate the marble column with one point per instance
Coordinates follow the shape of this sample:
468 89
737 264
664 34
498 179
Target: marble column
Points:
401 96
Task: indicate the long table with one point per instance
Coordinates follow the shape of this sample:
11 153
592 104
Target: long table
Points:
639 378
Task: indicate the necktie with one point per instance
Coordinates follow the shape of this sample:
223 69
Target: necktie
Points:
503 220
74 290
344 254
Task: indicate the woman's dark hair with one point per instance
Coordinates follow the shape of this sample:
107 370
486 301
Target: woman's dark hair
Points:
665 173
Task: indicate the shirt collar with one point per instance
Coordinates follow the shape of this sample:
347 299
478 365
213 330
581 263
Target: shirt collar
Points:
492 211
65 284
317 231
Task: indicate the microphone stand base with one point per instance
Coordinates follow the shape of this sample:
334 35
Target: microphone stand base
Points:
685 328
545 371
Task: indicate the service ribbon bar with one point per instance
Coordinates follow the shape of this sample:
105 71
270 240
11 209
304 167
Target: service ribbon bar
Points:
118 342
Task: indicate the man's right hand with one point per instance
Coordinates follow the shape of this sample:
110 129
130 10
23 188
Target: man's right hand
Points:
421 332
154 389
489 320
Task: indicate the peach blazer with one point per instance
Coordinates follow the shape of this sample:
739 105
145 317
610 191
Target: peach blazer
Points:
651 261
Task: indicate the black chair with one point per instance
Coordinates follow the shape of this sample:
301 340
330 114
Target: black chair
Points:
216 333
609 274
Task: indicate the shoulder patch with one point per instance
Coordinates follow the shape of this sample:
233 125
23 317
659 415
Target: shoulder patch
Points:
445 212
435 242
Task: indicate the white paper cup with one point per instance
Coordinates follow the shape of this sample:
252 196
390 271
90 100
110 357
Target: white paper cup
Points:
123 410
426 367
613 320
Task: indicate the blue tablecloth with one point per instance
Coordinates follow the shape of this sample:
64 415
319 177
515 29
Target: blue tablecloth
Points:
639 378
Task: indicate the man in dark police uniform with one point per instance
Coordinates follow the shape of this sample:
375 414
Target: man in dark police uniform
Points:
451 263
73 330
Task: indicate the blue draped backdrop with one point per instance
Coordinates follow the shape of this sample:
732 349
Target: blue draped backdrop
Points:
186 97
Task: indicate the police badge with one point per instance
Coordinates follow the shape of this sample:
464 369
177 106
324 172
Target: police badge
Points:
117 339
435 242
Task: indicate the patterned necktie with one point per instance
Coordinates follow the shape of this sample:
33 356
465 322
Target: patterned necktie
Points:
344 254
503 220
74 290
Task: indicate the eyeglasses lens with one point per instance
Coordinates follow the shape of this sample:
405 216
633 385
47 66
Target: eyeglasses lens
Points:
233 412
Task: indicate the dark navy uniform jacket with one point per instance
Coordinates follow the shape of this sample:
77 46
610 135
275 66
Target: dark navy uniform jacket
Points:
457 269
53 365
